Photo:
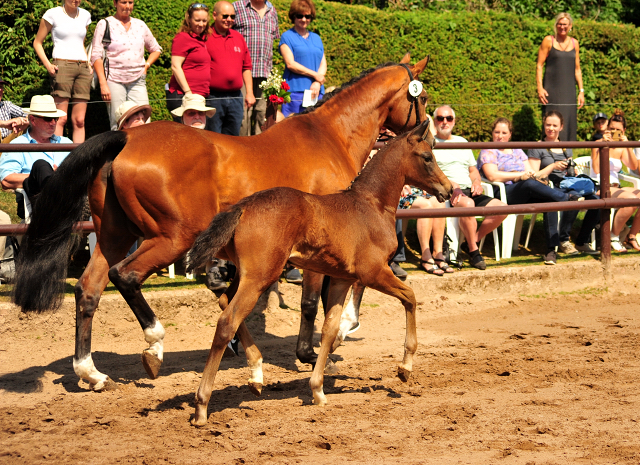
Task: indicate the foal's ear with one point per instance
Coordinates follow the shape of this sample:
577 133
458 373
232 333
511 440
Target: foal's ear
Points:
406 59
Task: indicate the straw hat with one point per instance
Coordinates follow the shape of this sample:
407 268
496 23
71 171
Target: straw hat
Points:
43 105
128 108
194 102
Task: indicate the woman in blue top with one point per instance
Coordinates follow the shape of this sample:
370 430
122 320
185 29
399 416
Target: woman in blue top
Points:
303 53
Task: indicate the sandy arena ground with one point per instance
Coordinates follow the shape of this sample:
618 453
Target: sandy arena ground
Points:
535 365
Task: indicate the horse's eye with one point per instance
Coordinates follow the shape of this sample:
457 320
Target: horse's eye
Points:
423 100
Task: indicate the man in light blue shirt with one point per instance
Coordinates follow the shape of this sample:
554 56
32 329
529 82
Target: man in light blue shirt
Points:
31 170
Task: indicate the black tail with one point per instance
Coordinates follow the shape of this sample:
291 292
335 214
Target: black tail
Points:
41 268
215 237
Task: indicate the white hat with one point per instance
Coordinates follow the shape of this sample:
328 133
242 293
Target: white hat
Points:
43 105
129 108
194 102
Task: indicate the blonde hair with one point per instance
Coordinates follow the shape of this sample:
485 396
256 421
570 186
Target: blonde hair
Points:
562 16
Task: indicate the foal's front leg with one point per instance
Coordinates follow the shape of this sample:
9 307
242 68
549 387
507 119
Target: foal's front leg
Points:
337 293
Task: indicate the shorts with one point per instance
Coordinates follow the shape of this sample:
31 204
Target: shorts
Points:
72 81
406 201
480 200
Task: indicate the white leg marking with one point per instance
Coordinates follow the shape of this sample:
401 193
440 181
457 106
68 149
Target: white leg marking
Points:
347 320
318 396
256 372
155 337
86 370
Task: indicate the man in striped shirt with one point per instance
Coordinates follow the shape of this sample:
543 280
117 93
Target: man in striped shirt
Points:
257 21
12 118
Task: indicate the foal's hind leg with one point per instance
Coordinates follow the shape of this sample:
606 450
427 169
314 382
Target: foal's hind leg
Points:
337 293
311 288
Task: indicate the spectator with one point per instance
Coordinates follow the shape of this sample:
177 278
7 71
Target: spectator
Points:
557 91
193 111
130 115
13 121
31 170
230 68
522 185
616 128
69 69
426 227
303 54
125 76
7 266
257 21
190 60
460 167
599 126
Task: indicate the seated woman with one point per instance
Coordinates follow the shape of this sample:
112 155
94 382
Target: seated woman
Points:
617 126
521 176
432 263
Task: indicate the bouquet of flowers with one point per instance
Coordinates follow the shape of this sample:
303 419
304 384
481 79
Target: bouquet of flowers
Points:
276 88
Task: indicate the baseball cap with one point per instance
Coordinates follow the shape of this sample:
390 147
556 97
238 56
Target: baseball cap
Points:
599 116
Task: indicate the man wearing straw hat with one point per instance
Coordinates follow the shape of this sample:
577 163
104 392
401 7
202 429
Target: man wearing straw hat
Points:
130 114
31 170
194 111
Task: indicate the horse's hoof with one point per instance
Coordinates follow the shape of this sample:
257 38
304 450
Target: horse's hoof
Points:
255 388
200 417
151 364
404 374
320 400
106 385
331 368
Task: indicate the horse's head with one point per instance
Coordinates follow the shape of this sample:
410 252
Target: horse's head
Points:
407 107
419 164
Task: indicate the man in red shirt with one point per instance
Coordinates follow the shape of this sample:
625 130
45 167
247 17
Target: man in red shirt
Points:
230 68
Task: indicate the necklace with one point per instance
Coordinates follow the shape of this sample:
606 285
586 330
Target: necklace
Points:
64 8
567 41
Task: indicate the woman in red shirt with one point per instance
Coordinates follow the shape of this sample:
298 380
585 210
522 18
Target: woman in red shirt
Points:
190 60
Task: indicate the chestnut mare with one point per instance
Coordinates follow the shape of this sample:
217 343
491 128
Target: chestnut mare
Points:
165 182
349 236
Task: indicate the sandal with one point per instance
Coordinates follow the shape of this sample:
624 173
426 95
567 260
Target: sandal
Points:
632 243
431 268
446 268
617 246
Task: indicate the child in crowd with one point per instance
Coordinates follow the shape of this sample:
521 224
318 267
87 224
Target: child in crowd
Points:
599 126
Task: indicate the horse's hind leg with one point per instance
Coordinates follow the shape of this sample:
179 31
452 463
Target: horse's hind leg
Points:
311 288
337 293
350 320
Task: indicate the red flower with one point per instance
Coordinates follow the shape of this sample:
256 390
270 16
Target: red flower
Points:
280 100
273 98
285 86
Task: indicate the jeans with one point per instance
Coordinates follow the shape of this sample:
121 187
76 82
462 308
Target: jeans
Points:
135 91
532 191
399 256
255 116
555 235
229 107
174 100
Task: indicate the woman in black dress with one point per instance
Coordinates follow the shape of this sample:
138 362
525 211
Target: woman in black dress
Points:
557 91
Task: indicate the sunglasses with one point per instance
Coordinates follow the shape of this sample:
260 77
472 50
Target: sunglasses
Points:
198 6
309 17
440 119
228 16
48 119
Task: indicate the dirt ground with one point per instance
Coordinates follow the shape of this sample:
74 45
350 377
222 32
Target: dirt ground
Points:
533 365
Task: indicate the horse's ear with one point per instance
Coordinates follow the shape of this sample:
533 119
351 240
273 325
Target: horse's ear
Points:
420 66
422 131
406 59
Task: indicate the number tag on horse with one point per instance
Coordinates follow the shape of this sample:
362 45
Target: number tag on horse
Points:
415 88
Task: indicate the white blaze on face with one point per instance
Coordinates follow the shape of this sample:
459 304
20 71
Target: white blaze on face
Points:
154 335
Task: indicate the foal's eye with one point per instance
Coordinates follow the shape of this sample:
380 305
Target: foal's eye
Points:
428 157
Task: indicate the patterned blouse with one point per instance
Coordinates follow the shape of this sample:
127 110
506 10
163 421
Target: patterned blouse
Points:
505 161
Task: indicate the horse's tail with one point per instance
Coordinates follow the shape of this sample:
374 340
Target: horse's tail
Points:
41 267
216 236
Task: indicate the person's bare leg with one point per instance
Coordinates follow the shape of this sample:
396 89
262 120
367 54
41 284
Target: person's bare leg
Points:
468 225
78 112
423 228
490 222
61 104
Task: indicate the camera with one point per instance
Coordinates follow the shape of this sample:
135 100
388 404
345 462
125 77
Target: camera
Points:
615 134
571 167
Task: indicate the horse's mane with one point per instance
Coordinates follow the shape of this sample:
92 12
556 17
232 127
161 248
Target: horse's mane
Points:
344 86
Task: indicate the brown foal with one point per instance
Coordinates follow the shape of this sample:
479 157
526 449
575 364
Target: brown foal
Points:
349 236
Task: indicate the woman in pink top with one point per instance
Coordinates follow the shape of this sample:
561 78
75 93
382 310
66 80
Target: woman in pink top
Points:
190 60
125 76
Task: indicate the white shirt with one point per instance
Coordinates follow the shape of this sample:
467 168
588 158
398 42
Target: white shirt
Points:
68 33
455 163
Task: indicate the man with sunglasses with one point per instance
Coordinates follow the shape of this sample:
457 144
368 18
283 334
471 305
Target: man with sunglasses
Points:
460 167
31 170
230 68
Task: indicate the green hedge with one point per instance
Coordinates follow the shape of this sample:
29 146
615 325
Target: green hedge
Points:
483 63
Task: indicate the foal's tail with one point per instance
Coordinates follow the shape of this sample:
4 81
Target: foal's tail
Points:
216 236
41 268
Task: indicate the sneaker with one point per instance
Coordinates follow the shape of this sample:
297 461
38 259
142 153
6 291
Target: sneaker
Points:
398 271
215 281
616 246
586 248
478 262
576 198
293 276
567 248
551 258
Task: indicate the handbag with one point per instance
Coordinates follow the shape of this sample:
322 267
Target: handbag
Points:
106 40
582 185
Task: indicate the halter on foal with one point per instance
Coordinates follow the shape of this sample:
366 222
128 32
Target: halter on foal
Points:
349 236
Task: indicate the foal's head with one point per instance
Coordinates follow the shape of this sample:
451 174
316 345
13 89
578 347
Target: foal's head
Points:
419 164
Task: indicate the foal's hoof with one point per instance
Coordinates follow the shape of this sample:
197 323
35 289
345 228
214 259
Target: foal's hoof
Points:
200 416
255 388
404 374
151 364
106 385
331 368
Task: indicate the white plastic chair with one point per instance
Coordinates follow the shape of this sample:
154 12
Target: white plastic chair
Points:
456 235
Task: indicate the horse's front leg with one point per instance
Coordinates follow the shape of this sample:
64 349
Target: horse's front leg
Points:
337 293
350 319
311 288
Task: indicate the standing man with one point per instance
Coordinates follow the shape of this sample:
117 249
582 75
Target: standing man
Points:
257 21
230 68
12 119
460 167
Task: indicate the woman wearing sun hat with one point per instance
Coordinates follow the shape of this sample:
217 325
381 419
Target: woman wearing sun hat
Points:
130 115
